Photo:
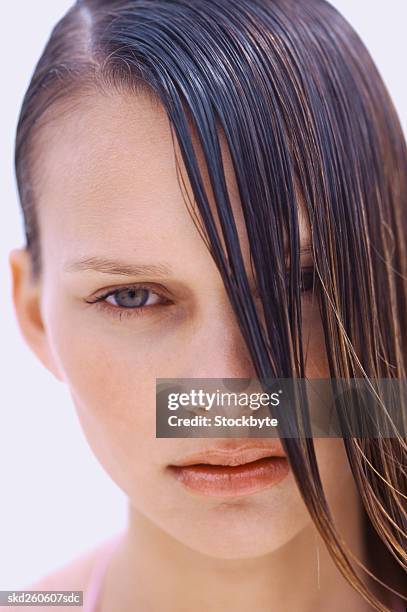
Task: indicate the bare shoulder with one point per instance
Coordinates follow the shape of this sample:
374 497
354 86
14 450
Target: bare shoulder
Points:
72 575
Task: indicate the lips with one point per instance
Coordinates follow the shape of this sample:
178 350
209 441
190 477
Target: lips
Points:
232 471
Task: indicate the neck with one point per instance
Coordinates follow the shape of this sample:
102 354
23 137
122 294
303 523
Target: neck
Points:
151 570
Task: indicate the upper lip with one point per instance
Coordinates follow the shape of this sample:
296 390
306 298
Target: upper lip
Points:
233 456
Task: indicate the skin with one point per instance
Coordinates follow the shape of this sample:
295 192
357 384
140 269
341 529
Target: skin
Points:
114 193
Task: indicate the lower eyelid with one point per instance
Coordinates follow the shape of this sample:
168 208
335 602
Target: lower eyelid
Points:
117 311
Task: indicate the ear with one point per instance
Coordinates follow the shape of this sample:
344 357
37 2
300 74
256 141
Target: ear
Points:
27 305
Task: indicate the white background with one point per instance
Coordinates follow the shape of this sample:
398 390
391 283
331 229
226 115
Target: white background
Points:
56 501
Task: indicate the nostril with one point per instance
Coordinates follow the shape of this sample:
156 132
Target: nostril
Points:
236 384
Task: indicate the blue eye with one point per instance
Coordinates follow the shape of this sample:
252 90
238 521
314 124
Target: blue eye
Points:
129 301
131 297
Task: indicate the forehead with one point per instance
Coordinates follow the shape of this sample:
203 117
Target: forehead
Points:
107 168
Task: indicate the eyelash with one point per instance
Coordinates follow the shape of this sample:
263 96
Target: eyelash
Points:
122 312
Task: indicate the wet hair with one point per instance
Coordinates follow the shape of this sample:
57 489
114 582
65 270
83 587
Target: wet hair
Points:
307 119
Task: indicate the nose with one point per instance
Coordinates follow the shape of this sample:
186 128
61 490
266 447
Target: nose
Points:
216 347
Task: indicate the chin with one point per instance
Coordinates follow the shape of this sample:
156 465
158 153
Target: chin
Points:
239 541
241 527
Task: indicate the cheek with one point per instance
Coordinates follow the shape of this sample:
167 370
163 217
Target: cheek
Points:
314 341
111 381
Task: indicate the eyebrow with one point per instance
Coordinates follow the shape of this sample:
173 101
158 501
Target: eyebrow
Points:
108 266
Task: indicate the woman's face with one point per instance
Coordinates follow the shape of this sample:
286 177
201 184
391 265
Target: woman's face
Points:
109 203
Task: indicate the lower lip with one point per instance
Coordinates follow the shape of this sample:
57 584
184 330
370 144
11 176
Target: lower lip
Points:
229 481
